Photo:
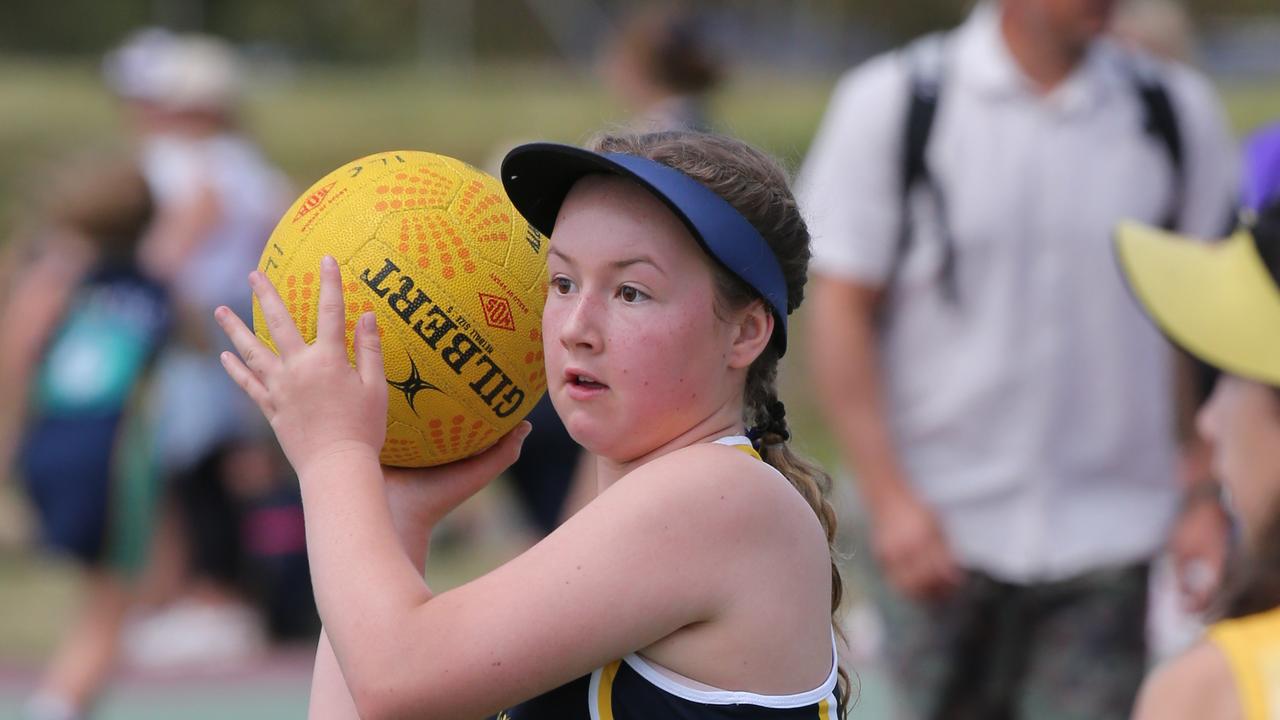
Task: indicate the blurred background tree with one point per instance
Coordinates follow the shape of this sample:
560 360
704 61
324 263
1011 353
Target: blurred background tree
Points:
388 30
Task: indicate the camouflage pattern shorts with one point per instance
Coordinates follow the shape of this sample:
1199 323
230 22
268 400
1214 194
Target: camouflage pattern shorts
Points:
1068 650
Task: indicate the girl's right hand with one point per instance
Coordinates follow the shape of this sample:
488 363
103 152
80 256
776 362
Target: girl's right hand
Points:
318 405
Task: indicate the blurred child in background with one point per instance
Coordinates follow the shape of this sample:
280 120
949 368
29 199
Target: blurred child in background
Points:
661 67
81 327
1234 285
1222 303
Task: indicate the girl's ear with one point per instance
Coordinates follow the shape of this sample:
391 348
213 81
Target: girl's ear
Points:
751 336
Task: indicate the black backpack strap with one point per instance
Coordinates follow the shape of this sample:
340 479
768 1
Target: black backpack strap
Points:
922 107
1160 122
925 60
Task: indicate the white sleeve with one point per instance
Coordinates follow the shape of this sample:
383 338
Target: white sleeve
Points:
848 187
1211 162
173 169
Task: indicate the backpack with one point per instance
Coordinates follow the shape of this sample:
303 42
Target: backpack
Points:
926 57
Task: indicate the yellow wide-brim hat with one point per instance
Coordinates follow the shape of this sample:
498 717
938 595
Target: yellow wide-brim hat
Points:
1217 300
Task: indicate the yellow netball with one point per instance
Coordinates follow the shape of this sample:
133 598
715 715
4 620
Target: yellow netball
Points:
456 277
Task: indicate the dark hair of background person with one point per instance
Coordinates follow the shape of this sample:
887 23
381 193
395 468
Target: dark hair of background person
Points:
671 45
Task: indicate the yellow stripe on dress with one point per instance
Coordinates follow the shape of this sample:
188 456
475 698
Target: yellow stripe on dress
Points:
604 696
827 708
748 450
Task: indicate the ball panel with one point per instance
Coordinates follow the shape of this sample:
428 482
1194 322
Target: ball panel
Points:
437 344
330 192
484 298
404 446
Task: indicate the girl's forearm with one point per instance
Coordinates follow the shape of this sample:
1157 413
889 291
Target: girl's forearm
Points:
415 539
330 698
366 582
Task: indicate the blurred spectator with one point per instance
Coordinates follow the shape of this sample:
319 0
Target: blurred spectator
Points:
1008 413
81 328
661 66
218 199
1161 27
1221 303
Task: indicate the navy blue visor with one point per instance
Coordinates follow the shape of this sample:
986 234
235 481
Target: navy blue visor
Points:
538 177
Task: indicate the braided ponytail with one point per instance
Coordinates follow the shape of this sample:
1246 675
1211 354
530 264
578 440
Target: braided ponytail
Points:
766 417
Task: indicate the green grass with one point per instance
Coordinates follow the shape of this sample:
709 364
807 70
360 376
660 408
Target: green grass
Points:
324 117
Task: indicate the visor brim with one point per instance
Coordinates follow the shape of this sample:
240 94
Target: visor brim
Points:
1215 300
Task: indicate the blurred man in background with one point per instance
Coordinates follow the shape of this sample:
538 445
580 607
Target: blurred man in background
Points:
1008 413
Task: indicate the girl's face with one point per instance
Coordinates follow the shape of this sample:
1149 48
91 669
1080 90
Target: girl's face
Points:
636 355
1242 422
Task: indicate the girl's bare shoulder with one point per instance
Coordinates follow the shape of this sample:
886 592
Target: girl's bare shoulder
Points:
723 484
1196 684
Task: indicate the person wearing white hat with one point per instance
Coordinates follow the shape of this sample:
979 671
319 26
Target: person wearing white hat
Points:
218 198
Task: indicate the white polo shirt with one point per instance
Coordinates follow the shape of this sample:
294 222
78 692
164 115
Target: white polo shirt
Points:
1036 415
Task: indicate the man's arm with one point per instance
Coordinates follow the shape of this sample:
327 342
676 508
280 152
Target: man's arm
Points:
1199 539
908 540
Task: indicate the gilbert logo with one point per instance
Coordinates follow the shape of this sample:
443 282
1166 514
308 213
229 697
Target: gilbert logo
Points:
313 201
497 312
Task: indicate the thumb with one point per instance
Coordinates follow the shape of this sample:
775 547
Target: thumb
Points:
368 350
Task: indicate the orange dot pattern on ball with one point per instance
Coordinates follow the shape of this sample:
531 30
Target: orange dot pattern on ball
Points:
424 242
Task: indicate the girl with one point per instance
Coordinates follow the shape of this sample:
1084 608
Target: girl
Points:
699 582
81 327
1221 302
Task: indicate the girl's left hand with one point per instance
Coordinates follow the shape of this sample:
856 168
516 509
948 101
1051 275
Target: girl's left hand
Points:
317 404
420 497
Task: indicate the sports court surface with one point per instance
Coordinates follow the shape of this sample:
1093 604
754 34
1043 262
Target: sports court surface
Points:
273 687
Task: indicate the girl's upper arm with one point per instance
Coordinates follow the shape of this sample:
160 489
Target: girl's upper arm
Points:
40 296
647 557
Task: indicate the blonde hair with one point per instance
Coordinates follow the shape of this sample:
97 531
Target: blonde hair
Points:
757 187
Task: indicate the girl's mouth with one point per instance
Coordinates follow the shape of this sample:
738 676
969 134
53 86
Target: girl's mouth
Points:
583 385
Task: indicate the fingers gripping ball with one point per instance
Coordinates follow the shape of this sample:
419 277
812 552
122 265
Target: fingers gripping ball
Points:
456 277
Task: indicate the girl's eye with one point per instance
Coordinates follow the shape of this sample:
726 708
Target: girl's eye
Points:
630 294
561 285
